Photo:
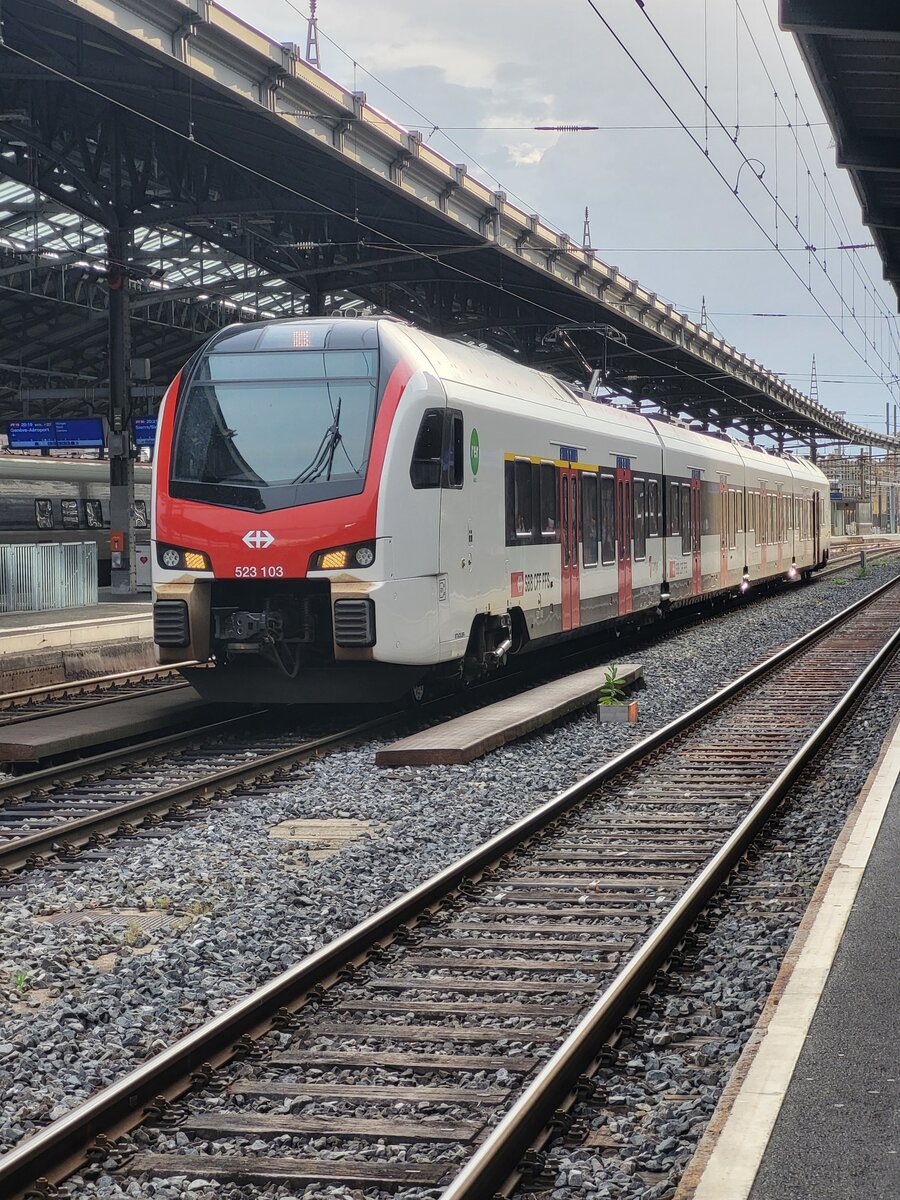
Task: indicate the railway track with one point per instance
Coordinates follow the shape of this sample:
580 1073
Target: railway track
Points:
51 814
57 698
56 812
439 1043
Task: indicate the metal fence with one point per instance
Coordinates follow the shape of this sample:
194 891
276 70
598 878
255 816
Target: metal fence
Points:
35 578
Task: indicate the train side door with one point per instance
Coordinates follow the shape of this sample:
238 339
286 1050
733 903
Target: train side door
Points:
724 530
623 536
695 535
569 537
817 529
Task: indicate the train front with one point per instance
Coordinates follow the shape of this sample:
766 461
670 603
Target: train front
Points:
266 556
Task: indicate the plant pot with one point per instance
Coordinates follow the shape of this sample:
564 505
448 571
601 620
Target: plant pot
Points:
627 711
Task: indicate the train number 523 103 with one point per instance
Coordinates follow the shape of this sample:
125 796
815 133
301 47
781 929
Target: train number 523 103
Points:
259 572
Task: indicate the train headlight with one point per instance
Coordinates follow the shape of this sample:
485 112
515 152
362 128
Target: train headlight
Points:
336 559
173 558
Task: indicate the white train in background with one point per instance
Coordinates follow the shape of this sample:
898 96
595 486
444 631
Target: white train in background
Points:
343 507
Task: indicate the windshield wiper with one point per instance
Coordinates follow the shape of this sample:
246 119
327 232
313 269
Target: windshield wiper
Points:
323 459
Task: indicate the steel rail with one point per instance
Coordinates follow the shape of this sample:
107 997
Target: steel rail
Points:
10 716
77 685
59 1148
490 1170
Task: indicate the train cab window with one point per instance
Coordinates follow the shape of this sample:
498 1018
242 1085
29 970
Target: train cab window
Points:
522 506
70 514
425 468
674 510
93 514
590 533
653 513
43 514
549 501
454 458
640 519
140 514
685 518
607 519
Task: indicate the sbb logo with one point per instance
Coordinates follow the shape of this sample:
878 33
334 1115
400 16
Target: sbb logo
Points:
257 539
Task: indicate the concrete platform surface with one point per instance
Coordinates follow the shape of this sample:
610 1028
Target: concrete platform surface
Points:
475 734
66 644
47 737
813 1108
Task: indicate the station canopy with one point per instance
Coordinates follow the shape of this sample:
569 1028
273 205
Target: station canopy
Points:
249 185
852 53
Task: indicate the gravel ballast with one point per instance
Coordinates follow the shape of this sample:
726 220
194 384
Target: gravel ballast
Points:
656 1097
218 906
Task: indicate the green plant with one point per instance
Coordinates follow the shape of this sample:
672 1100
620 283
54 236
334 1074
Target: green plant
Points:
862 572
840 581
198 908
132 933
20 981
162 903
612 690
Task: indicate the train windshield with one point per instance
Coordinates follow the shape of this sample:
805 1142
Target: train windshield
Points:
268 429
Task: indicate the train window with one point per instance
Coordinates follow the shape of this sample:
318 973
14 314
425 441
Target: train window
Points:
93 514
425 468
674 510
640 519
70 515
549 500
140 514
607 519
454 457
43 514
590 534
522 508
573 528
685 518
653 513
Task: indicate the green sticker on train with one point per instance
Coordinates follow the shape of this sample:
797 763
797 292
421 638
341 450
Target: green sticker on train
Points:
474 451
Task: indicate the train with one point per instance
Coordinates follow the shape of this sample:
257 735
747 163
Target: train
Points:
65 500
356 509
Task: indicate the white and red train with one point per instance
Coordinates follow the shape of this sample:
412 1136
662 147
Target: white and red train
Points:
343 508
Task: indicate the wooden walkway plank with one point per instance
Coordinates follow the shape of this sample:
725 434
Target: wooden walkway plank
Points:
477 733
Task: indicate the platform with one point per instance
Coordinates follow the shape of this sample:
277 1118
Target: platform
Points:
67 733
38 648
477 733
812 1111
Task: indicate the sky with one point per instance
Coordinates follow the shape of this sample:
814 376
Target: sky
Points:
682 216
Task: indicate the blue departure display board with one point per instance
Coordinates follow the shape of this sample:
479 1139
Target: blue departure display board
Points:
31 435
78 433
144 431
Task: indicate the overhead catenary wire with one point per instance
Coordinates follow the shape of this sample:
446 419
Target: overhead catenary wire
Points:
773 196
859 268
746 160
762 417
808 124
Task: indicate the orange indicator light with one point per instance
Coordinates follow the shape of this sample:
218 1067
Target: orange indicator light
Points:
195 561
335 559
